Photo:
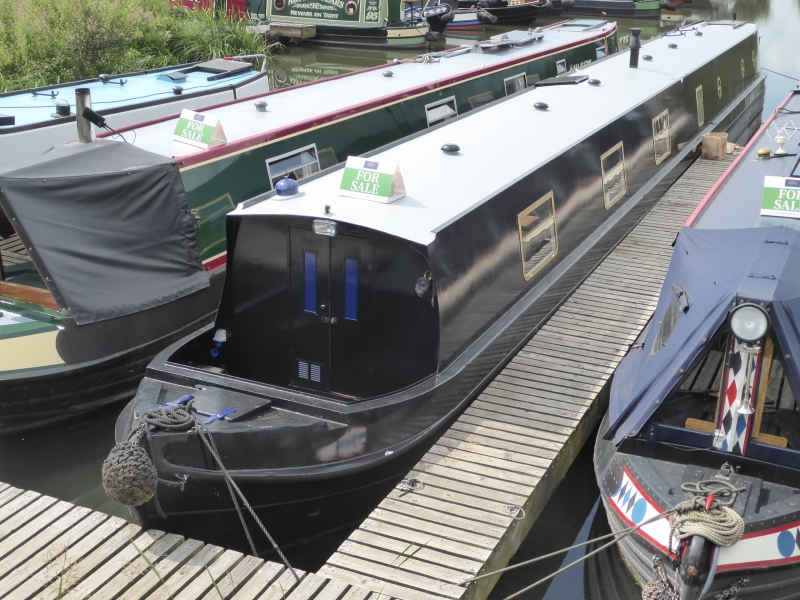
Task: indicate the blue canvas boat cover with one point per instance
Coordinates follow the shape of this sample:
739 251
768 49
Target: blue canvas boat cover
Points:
107 226
711 269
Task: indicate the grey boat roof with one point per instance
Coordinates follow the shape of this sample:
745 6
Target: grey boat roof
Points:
502 143
141 87
290 106
736 203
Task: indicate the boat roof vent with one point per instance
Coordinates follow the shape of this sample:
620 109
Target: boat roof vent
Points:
220 68
562 80
174 76
511 38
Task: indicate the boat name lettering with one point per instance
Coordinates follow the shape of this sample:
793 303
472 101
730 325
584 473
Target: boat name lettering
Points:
322 5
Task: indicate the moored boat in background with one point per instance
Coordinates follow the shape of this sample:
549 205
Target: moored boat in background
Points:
509 11
634 9
36 119
326 294
709 393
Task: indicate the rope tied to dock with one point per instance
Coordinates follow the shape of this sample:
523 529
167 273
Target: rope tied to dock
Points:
129 473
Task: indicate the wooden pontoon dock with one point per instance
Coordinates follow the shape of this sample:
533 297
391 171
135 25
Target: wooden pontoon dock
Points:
509 449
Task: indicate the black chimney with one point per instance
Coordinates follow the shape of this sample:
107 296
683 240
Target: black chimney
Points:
634 46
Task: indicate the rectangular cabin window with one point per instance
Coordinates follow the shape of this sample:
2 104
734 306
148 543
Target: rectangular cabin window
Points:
612 166
515 84
661 145
351 289
441 111
297 164
701 117
538 238
481 99
600 49
310 282
561 66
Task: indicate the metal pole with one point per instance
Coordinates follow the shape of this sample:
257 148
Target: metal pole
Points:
83 99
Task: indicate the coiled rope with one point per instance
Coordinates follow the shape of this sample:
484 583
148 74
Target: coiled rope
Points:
723 527
123 470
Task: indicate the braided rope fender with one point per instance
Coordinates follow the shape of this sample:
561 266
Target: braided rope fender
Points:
129 476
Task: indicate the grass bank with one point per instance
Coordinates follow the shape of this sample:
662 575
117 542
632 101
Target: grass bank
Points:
43 42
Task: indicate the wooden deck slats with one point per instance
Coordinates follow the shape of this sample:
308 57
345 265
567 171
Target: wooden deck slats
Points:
51 550
518 437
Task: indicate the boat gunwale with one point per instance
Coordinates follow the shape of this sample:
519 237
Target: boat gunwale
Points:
265 138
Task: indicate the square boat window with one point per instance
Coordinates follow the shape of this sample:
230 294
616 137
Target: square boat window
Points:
612 167
515 84
661 144
297 164
600 49
441 111
561 66
538 238
479 100
701 117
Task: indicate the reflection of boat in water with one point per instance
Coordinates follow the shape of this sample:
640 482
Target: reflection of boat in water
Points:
509 11
605 575
711 392
634 9
326 294
437 15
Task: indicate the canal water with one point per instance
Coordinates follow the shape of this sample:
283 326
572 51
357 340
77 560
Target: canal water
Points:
64 460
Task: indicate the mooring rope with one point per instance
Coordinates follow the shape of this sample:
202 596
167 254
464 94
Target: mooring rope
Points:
720 522
124 468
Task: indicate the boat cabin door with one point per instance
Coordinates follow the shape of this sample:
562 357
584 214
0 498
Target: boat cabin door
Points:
332 312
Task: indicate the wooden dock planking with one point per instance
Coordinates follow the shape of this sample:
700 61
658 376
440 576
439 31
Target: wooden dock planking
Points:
516 440
50 549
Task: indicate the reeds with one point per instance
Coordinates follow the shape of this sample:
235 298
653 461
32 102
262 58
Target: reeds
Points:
44 42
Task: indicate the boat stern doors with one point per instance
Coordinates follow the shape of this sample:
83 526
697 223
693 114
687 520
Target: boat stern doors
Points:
332 311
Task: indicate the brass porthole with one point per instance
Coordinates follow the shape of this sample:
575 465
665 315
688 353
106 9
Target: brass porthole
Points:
351 8
754 58
278 4
281 76
742 67
719 87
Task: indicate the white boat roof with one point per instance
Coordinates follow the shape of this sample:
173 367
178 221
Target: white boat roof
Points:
142 87
294 105
503 143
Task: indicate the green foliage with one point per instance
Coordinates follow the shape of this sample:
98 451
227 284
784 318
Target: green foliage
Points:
43 42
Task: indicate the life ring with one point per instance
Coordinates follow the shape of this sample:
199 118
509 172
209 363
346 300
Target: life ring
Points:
351 8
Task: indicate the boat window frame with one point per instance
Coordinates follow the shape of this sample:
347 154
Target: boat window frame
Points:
662 134
719 86
286 155
548 223
477 98
438 103
604 48
561 63
701 113
619 147
515 79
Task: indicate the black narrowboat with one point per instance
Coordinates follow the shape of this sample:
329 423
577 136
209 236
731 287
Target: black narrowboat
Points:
351 331
705 403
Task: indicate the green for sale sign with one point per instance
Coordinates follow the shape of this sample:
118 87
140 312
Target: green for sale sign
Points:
781 197
198 130
372 180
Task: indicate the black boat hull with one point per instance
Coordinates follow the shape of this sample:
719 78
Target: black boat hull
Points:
43 397
295 475
508 15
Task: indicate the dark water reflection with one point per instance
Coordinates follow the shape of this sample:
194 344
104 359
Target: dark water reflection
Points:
64 460
573 515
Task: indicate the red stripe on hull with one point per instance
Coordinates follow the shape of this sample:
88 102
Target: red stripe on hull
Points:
215 263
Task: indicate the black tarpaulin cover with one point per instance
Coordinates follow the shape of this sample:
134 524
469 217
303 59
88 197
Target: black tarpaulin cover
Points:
109 227
714 267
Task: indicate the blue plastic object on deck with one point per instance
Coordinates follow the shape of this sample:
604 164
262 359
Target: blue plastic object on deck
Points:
218 416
